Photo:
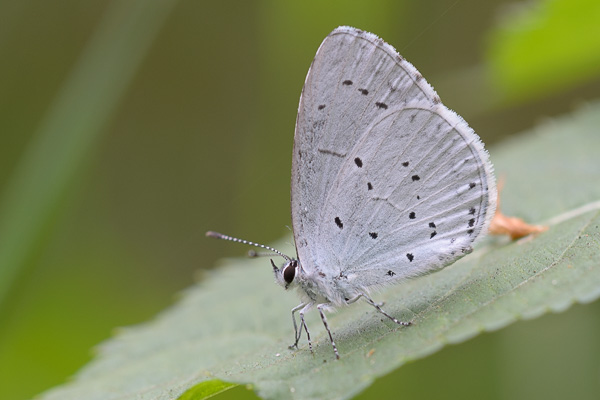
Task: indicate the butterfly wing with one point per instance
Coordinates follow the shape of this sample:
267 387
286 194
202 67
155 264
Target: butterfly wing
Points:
387 183
421 194
328 124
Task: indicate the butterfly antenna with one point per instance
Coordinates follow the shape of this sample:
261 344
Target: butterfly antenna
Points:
256 254
218 235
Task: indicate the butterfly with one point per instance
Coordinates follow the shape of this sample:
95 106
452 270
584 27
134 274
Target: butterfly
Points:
387 183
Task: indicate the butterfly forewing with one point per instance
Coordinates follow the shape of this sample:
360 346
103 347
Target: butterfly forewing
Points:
385 179
353 78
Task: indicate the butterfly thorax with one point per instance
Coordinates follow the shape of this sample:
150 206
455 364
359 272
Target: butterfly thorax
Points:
315 286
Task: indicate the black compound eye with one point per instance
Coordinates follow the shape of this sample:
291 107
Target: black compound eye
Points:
289 272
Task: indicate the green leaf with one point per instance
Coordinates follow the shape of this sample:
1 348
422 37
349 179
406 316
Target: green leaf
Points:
544 47
235 325
206 390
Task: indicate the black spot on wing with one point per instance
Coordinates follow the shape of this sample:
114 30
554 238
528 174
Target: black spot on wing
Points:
390 273
338 222
358 162
471 185
381 105
369 186
471 222
322 106
410 257
432 224
318 125
432 234
412 215
373 235
472 210
363 91
405 164
415 178
332 153
347 82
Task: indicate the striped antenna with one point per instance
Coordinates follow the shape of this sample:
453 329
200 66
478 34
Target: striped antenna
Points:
218 235
256 254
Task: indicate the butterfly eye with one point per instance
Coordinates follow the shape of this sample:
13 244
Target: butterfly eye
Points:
289 272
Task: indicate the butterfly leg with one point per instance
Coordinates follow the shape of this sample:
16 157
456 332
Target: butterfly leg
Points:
297 332
335 350
306 329
354 299
378 308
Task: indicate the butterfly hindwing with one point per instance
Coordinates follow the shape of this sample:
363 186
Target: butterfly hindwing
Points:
412 196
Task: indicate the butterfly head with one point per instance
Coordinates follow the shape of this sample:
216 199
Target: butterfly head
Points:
286 274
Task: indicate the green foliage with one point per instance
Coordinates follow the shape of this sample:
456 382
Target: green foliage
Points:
70 129
206 390
545 46
235 325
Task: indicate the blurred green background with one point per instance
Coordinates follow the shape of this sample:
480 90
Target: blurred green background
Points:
129 128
